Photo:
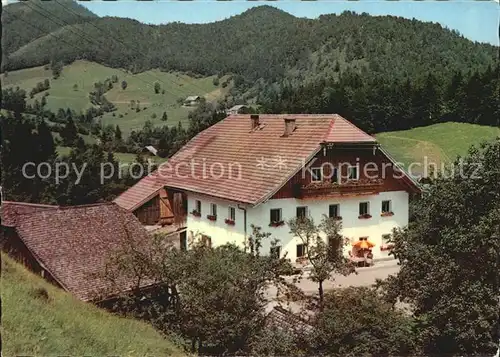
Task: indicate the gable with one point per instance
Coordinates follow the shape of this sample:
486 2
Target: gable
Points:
377 173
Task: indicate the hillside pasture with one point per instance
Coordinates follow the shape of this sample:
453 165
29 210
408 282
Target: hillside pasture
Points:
140 87
39 319
438 144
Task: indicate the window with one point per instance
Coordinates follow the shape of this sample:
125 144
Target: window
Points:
231 214
353 173
301 250
207 241
316 174
213 209
386 206
183 240
275 251
275 215
334 211
197 205
364 208
302 212
335 175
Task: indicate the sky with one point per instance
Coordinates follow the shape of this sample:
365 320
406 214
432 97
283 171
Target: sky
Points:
476 20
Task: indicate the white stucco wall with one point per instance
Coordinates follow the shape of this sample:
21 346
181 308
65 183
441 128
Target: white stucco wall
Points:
352 226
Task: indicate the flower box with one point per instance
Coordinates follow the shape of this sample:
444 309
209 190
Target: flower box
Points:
387 214
196 213
301 260
276 224
365 216
211 217
385 247
229 222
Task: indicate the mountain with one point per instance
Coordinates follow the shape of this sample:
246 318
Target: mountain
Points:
263 42
43 16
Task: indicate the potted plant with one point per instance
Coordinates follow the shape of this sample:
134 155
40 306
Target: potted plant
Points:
229 222
387 214
211 217
196 213
365 216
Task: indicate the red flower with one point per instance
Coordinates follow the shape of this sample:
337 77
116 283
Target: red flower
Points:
365 216
229 222
276 224
196 213
211 217
387 214
384 247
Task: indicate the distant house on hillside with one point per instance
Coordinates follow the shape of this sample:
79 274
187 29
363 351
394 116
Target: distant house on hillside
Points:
70 246
151 149
236 109
192 100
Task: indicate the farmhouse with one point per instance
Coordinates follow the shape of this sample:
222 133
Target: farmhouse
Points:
192 100
70 246
236 109
263 170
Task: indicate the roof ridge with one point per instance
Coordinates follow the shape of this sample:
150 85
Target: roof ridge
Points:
87 205
354 126
30 204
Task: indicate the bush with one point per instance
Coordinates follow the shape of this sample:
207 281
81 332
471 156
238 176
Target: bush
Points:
215 81
385 331
153 116
113 114
120 116
224 85
137 110
40 293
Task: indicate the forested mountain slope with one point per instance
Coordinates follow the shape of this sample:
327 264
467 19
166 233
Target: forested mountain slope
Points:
262 42
16 33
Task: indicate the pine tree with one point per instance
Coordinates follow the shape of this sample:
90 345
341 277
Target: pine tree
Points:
69 134
46 148
118 134
157 87
164 117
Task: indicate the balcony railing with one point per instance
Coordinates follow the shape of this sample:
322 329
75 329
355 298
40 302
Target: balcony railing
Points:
321 189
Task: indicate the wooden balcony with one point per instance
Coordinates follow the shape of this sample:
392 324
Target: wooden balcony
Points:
328 189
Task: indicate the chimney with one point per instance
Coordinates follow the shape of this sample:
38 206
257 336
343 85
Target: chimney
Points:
255 120
289 126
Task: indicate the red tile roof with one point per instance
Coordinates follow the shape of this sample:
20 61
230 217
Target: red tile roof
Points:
140 193
74 244
256 154
10 210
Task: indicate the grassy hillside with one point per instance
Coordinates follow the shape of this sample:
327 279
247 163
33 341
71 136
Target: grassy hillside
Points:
60 325
140 87
122 158
440 143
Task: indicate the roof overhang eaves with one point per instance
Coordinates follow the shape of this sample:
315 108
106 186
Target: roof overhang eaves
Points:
220 197
412 180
